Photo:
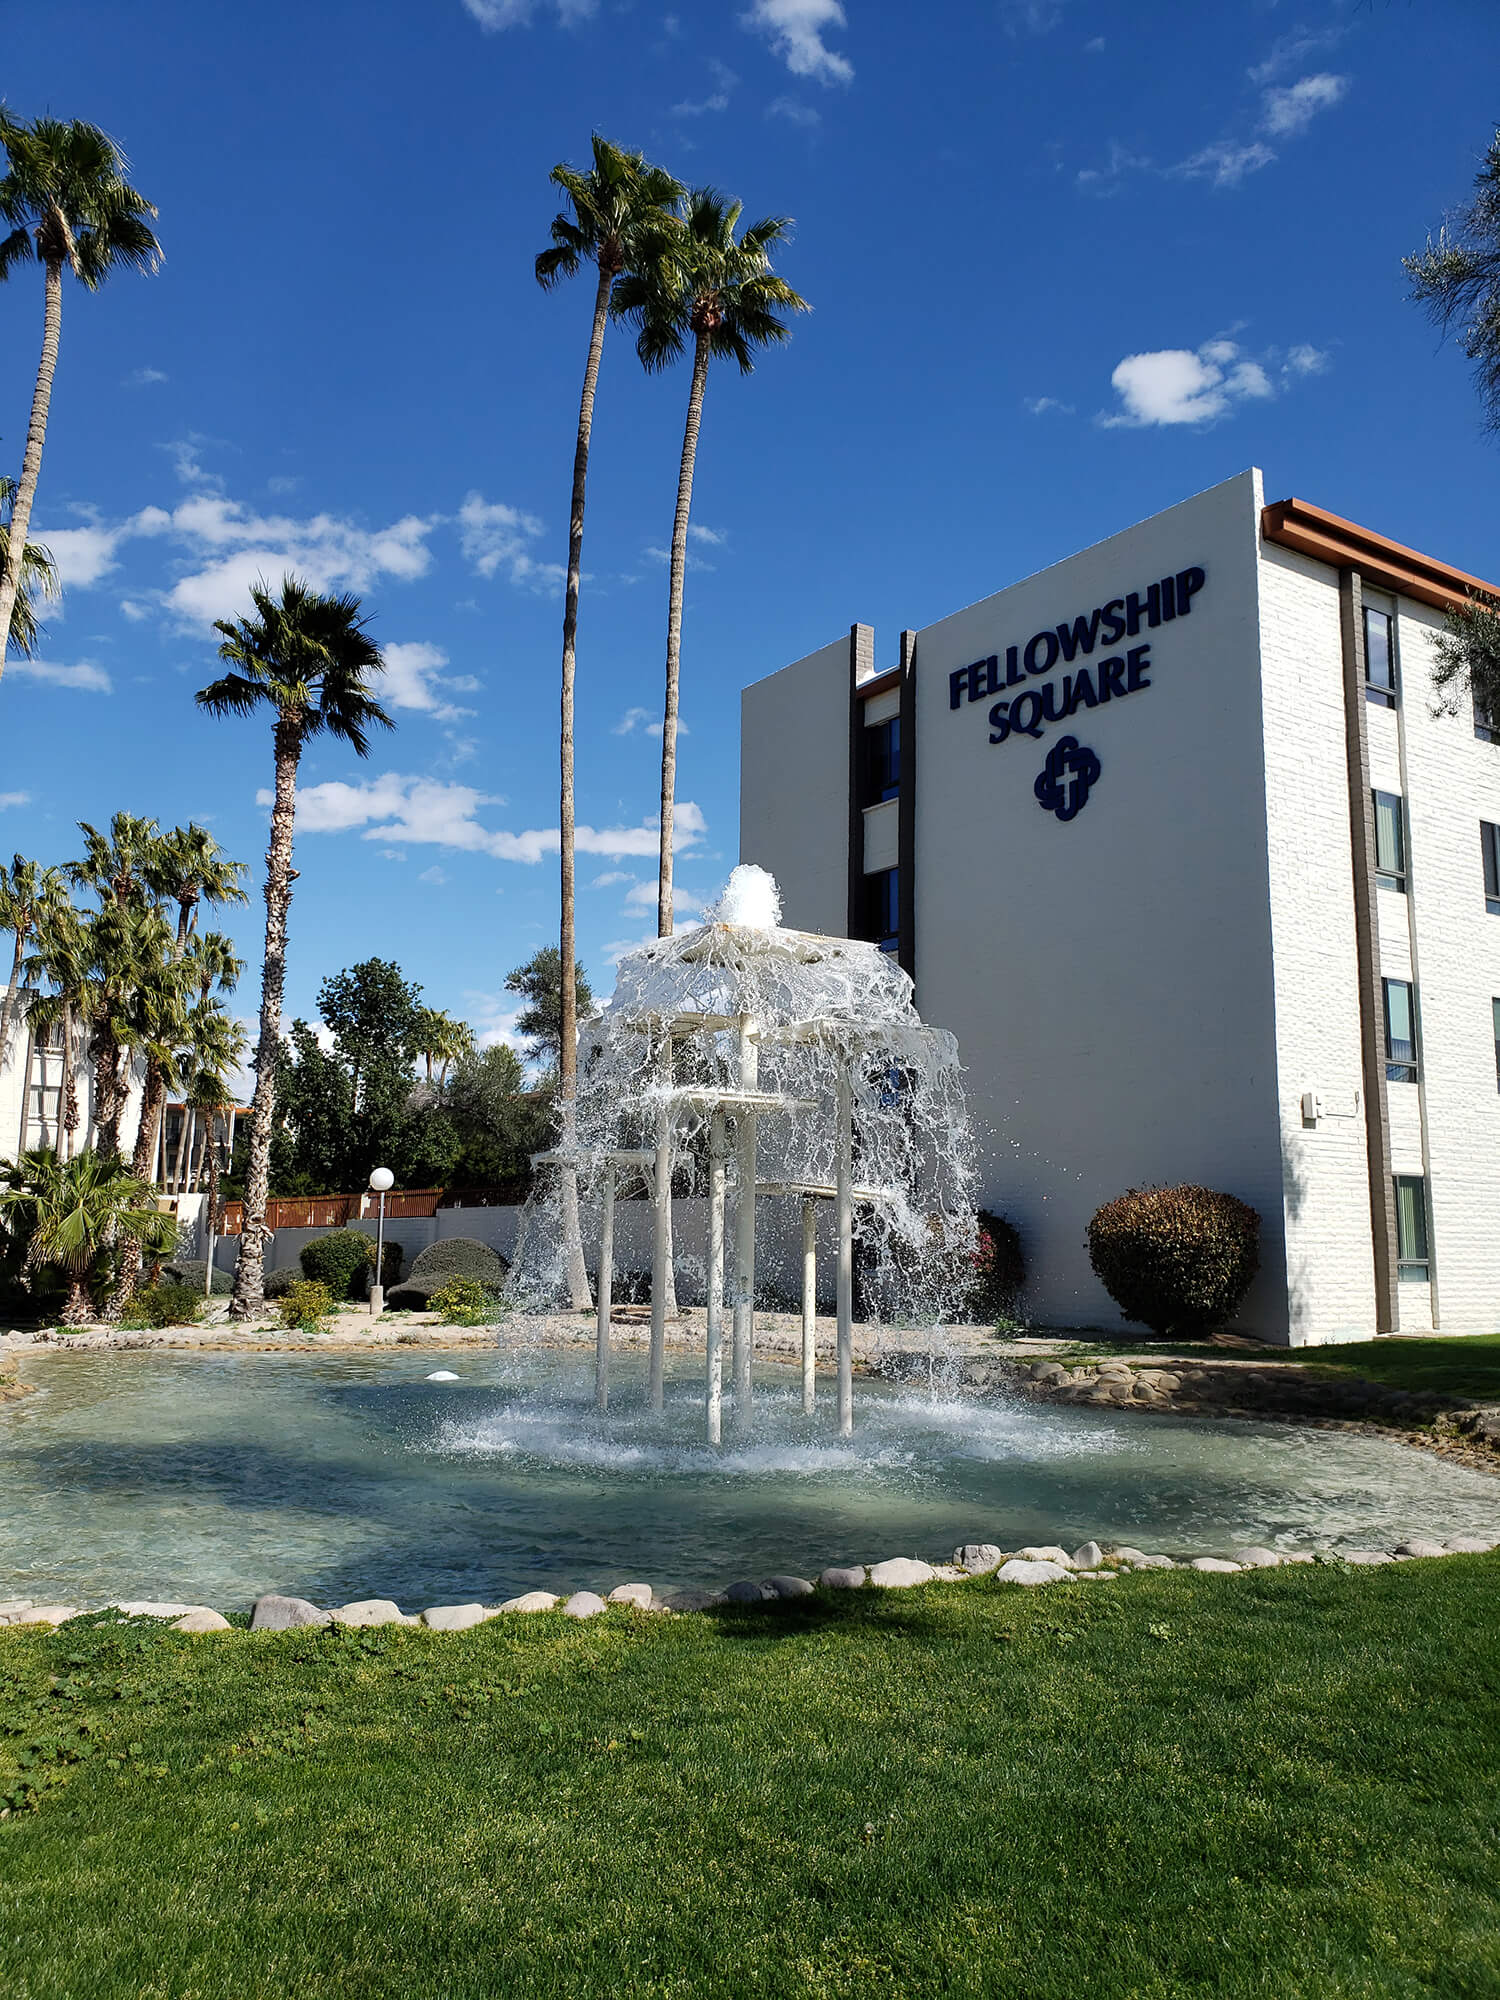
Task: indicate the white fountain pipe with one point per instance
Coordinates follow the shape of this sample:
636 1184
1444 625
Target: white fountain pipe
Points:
844 1214
809 1300
606 1289
716 1152
744 1221
661 1223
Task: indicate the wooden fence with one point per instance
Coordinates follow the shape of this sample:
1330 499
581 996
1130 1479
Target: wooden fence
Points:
334 1211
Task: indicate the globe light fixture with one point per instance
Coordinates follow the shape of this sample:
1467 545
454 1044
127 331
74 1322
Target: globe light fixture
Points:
382 1180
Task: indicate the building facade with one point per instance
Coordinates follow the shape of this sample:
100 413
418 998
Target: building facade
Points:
1171 836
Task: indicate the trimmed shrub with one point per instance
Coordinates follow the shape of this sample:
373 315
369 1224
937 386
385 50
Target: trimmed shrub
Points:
191 1271
1177 1259
460 1257
306 1304
278 1283
999 1271
342 1260
165 1304
463 1302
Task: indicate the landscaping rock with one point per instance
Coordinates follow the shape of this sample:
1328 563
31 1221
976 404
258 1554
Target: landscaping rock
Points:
284 1614
1116 1370
455 1617
584 1604
145 1607
1019 1571
1258 1558
1471 1545
1420 1548
530 1600
638 1594
1129 1555
13 1609
694 1600
1365 1558
1096 1575
1152 1562
371 1611
745 1593
950 1573
900 1573
1048 1371
1050 1554
48 1614
1088 1557
1300 1556
787 1587
1216 1564
201 1619
978 1558
843 1579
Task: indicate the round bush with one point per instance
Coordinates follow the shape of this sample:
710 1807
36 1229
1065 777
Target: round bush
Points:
192 1270
1177 1259
278 1283
166 1304
306 1304
460 1257
463 1302
999 1270
340 1260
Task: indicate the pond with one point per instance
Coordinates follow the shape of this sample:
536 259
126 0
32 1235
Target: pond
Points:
212 1478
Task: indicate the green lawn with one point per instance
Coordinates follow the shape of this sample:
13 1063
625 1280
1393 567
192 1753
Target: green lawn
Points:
1274 1784
1466 1366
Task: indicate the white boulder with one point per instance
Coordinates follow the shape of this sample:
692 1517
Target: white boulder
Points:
530 1600
455 1617
900 1573
584 1604
371 1611
638 1594
201 1619
1023 1570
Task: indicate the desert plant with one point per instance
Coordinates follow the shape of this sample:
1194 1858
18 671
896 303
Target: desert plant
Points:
463 1302
306 1304
1178 1259
165 1304
999 1270
74 1213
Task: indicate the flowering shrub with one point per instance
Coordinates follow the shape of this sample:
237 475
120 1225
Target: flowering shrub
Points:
1179 1259
305 1304
999 1271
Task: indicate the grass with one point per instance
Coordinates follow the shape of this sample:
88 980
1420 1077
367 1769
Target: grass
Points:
1278 1784
1466 1366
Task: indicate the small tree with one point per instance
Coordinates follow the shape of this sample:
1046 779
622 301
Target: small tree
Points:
1456 280
1466 661
539 983
73 1212
1178 1259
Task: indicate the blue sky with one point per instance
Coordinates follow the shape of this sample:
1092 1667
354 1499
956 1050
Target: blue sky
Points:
1070 261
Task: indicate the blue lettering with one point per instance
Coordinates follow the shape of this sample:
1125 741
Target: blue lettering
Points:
1047 639
999 722
1168 598
1079 636
1112 631
1111 677
1050 706
1136 662
1033 727
1082 694
1013 674
1134 606
956 686
1189 583
991 677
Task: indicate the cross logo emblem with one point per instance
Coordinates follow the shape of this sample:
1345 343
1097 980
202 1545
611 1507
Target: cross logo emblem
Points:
1068 776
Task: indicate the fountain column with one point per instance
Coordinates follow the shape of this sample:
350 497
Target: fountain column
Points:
606 1289
744 1222
716 1154
809 1300
844 1216
661 1220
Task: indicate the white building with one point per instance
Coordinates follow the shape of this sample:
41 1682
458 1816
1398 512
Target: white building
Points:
1170 837
31 1088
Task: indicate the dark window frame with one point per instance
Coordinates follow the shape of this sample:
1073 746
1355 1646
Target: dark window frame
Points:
1401 1068
1489 850
1413 1259
1384 693
880 776
1386 876
883 908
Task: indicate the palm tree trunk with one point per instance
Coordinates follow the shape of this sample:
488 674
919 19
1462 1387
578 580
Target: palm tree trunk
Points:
249 1269
31 464
8 1008
202 1136
567 1054
153 1095
68 1095
79 1309
674 633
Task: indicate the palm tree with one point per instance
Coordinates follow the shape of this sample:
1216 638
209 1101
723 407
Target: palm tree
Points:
68 203
127 945
1456 280
118 866
72 1212
309 659
705 286
440 1039
619 207
38 579
218 1050
26 893
61 960
213 962
189 868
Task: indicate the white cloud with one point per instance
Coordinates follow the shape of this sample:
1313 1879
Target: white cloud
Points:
142 378
644 897
493 1017
330 552
1178 385
608 880
793 112
1095 46
494 536
85 677
641 718
1305 360
715 537
494 15
718 100
85 555
414 679
283 482
186 463
435 875
1038 406
8 799
655 554
1225 163
1290 111
394 807
795 30
1036 17
1292 50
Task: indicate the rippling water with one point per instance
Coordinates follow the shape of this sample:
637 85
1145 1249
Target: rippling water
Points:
215 1477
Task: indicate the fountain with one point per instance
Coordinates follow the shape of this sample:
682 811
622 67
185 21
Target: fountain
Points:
776 1066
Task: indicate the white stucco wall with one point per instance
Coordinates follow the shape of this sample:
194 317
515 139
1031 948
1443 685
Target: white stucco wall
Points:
794 790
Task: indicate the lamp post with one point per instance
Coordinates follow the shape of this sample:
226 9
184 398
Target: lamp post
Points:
382 1180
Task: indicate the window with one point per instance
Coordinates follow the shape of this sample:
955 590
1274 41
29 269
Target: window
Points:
1380 657
882 774
1495 1006
883 909
1413 1260
1489 845
1485 726
1400 1031
42 1113
1390 841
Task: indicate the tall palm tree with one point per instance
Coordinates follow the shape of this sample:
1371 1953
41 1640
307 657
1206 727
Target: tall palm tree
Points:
718 292
190 868
26 893
61 962
619 207
128 943
213 962
119 866
37 583
440 1039
68 203
72 1213
310 660
217 1051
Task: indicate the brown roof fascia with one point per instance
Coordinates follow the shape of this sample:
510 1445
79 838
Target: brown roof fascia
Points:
879 683
1328 538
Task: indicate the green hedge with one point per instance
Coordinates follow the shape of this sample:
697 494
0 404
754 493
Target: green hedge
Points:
1178 1259
193 1270
342 1261
461 1257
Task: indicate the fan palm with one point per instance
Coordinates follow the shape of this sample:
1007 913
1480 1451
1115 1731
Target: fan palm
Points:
26 892
217 1051
73 1211
713 290
442 1040
61 961
619 206
119 866
188 868
128 945
213 962
68 203
310 660
37 582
